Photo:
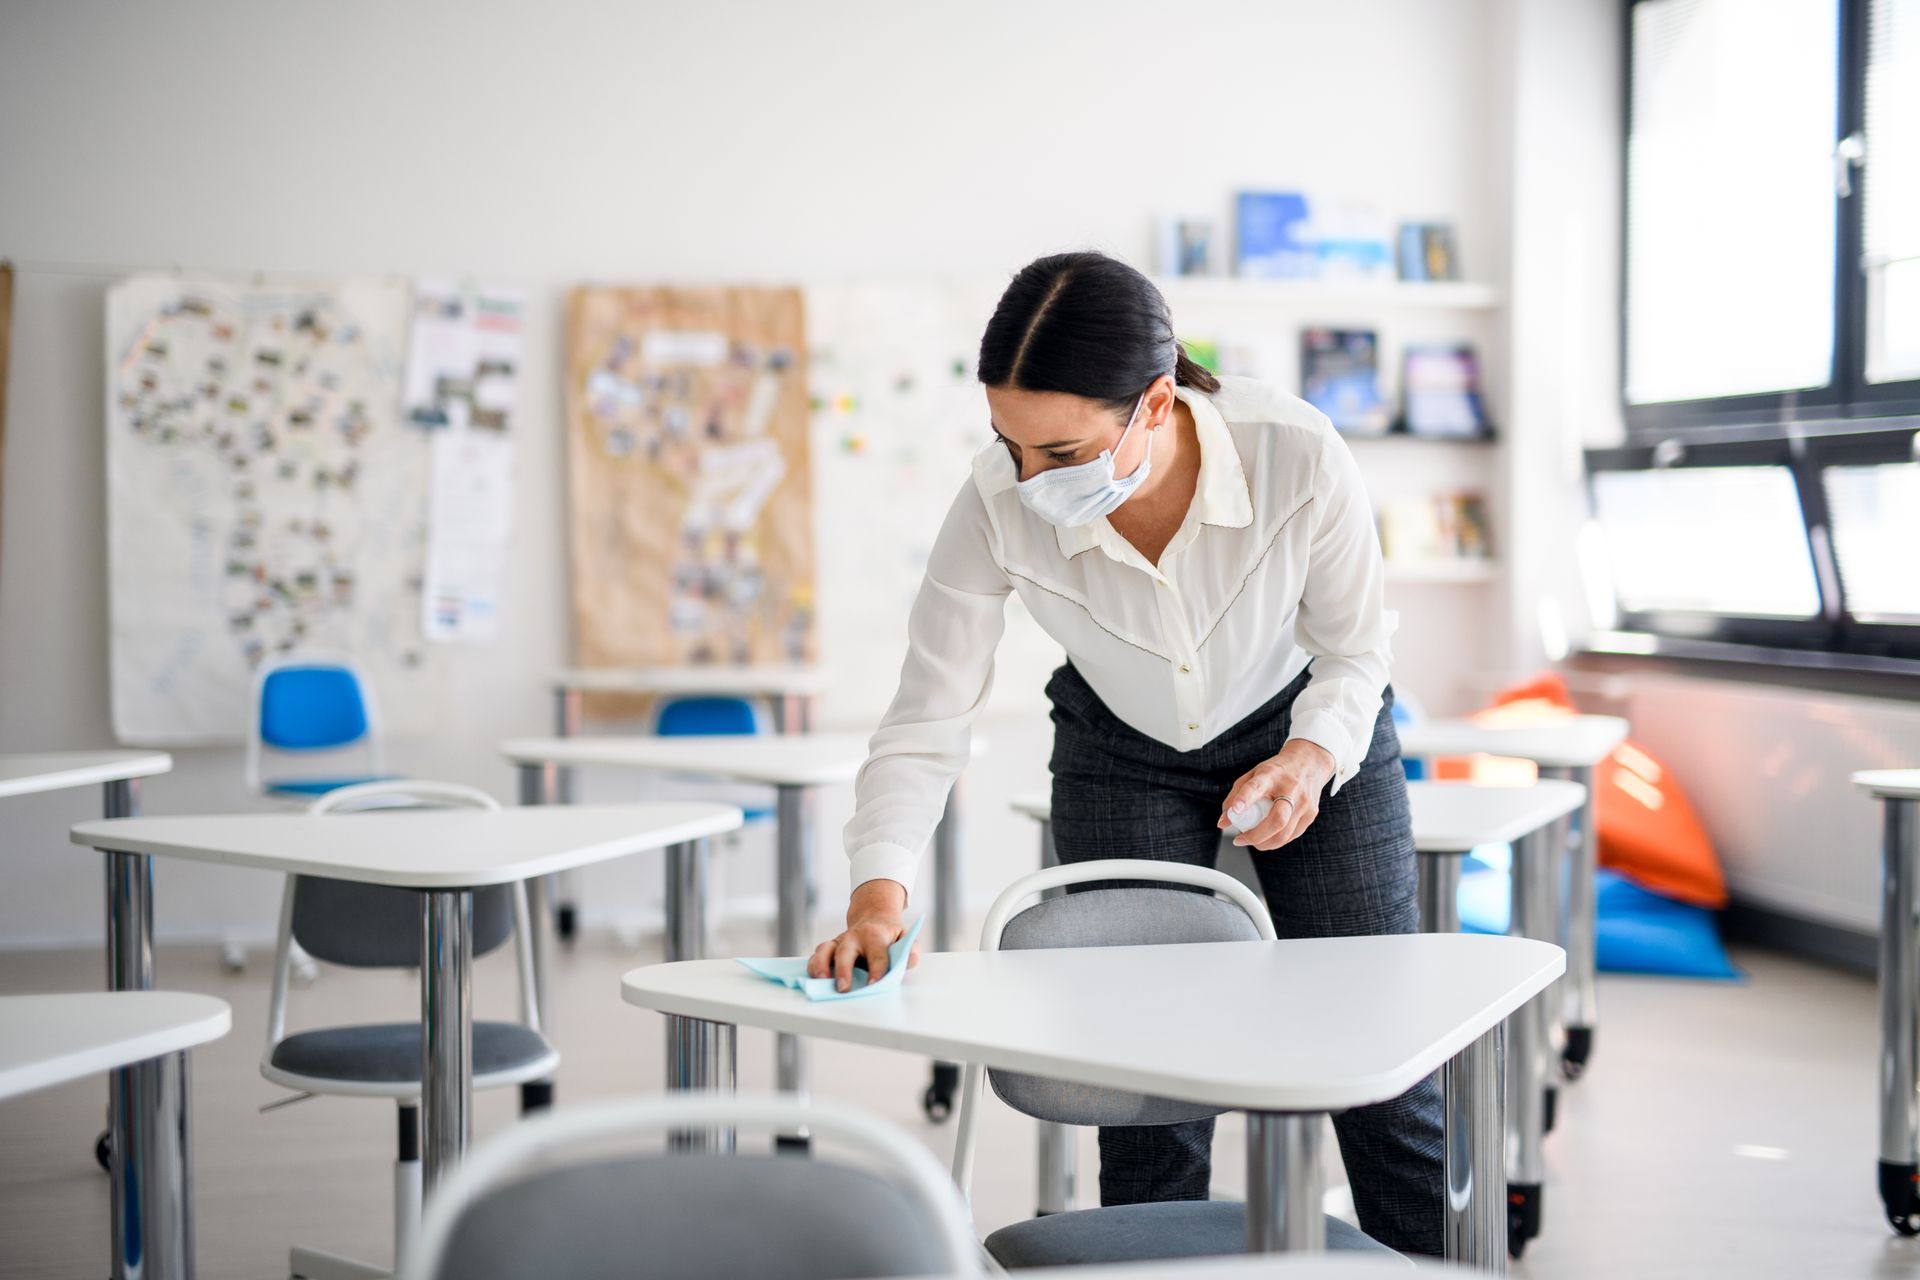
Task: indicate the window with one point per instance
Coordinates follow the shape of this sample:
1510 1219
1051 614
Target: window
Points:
1772 255
1731 219
1767 504
1890 192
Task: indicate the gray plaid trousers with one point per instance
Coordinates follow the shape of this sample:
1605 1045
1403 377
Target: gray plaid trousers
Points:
1119 794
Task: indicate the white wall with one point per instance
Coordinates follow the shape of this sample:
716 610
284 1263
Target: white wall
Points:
549 144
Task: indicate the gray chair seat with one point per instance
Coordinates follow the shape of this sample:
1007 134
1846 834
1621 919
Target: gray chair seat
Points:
675 1216
389 1052
1144 1232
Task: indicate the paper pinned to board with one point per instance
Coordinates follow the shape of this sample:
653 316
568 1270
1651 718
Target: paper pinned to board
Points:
791 971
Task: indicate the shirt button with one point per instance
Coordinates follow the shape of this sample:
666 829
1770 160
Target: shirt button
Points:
1185 669
1193 728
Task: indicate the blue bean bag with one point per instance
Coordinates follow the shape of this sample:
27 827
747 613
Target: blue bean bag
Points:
1636 931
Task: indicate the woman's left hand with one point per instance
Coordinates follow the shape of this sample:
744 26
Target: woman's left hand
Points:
1293 781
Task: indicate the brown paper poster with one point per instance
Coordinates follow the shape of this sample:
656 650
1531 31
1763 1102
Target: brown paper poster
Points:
691 512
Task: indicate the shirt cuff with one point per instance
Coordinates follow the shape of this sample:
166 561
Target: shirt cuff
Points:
885 862
1324 730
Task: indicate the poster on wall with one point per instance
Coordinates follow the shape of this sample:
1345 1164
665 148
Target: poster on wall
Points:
462 388
691 499
265 494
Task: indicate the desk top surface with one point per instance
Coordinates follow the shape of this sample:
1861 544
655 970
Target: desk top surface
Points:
1573 742
790 760
1319 1024
50 1039
1890 784
1448 817
745 681
417 848
22 775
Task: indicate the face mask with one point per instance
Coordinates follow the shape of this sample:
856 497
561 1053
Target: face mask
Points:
1073 496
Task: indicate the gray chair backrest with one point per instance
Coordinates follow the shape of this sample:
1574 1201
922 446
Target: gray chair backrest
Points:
374 926
689 1217
1117 917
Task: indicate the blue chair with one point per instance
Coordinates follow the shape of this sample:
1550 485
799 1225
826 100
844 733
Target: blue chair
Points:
715 716
307 705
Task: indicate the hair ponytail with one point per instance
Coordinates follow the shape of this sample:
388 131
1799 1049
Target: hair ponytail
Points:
1087 325
1188 372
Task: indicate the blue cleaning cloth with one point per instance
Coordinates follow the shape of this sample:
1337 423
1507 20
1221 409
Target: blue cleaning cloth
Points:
791 971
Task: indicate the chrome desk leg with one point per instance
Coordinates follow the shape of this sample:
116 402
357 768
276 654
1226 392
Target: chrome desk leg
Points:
1899 1021
1439 892
1284 1178
686 900
793 808
537 786
937 1101
566 724
446 1042
1530 1088
1580 996
702 1055
1473 1085
150 1158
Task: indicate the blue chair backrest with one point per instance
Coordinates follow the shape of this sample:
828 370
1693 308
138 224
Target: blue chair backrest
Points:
687 717
311 709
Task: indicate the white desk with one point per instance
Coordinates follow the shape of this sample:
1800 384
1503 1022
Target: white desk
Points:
1171 1021
118 774
1450 819
789 689
142 1037
1898 791
50 1039
443 853
24 775
1569 748
795 766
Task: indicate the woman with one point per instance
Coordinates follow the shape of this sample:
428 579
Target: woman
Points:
1203 550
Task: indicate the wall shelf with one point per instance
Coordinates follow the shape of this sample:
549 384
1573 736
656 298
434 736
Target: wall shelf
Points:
1462 571
1308 295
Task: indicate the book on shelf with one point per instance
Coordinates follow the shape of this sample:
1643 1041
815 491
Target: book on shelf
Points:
1273 237
1340 376
1185 247
1441 385
1448 528
1426 252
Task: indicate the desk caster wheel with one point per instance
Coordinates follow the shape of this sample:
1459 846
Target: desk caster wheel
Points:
938 1099
1549 1109
1523 1216
103 1150
1573 1059
1900 1193
566 923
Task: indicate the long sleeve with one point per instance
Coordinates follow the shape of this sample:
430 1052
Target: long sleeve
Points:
1343 620
923 741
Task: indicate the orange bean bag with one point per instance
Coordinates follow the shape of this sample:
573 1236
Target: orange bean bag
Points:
1648 831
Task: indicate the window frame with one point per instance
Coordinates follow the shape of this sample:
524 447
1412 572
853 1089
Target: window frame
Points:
1847 395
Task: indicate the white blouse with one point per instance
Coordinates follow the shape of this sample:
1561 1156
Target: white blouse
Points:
1276 564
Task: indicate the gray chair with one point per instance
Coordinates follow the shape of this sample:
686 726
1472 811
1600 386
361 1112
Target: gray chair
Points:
1126 914
378 927
566 1196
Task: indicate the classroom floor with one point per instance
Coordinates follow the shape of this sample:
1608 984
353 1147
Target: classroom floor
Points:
1723 1131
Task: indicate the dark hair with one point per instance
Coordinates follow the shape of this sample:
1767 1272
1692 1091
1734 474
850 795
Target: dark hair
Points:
1088 325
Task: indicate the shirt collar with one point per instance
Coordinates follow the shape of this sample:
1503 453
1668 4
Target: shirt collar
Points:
1220 494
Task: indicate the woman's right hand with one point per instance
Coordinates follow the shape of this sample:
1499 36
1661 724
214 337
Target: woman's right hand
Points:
875 921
